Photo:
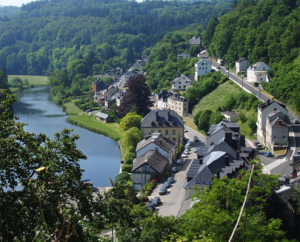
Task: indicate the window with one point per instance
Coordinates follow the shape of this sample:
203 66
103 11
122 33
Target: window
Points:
275 109
179 87
205 71
206 68
184 86
167 132
174 139
275 138
159 131
179 82
283 138
173 132
203 64
152 131
263 68
156 149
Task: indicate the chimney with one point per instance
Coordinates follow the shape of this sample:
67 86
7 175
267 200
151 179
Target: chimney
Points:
242 141
156 112
268 102
294 174
237 154
228 138
226 160
287 180
201 161
160 142
169 116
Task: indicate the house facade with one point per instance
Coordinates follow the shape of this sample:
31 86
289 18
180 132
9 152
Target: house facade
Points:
231 116
241 65
258 72
277 131
195 40
181 82
103 117
202 67
263 111
132 73
166 122
105 94
182 55
98 86
178 104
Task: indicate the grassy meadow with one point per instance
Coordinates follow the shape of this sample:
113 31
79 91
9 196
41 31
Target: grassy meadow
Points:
33 80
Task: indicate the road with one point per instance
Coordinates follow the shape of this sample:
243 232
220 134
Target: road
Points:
282 167
173 200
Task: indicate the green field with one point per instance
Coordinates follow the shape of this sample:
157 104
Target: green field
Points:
33 80
71 109
219 96
215 99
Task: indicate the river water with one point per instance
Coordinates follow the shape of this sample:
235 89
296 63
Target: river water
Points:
35 108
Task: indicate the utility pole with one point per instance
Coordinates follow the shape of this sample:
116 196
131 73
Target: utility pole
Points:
142 181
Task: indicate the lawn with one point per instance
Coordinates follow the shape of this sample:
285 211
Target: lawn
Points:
33 80
190 123
215 99
89 122
71 109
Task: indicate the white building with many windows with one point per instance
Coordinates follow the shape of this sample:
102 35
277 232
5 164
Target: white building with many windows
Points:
202 67
258 72
181 82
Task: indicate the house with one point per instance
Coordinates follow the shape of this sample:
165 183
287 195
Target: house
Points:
277 131
215 163
166 122
160 143
132 73
202 67
162 104
178 104
138 65
103 117
119 70
160 100
98 85
105 94
151 164
241 65
231 116
263 111
195 40
181 82
182 55
258 72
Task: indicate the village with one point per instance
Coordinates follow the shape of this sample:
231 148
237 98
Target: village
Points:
223 152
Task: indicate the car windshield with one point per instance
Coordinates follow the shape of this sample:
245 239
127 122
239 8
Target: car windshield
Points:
162 188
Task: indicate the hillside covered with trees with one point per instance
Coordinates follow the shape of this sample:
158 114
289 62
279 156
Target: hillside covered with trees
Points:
268 31
95 35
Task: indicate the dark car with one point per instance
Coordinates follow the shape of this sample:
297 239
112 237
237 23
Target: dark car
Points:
162 190
268 154
89 110
295 121
256 143
170 179
196 139
174 169
151 206
218 67
156 201
167 184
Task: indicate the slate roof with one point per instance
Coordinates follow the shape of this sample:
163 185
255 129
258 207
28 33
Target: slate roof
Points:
268 103
153 159
230 113
273 113
162 118
241 59
192 78
278 122
178 78
100 85
159 139
221 145
226 125
177 97
102 115
254 66
195 40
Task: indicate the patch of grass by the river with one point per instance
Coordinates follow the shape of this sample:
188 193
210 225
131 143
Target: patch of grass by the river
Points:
33 80
71 109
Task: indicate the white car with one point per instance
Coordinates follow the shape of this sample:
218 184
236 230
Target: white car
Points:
184 155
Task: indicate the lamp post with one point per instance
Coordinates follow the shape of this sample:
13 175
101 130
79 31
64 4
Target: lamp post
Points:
242 82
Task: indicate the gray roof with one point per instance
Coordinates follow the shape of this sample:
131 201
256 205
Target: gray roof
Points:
278 122
102 115
268 103
153 159
100 85
254 66
195 40
159 139
162 118
177 97
221 145
230 113
192 78
241 59
226 125
273 113
179 77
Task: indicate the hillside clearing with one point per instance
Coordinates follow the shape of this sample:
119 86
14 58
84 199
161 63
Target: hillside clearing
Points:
33 80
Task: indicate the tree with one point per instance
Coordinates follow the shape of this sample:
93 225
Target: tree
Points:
130 120
3 80
252 124
138 94
203 120
41 192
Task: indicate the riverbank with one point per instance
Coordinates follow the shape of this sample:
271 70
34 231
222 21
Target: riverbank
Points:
33 81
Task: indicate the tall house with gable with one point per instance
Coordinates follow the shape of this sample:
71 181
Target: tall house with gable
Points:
258 72
202 67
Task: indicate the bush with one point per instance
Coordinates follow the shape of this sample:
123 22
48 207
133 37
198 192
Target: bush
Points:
127 168
129 157
252 124
242 117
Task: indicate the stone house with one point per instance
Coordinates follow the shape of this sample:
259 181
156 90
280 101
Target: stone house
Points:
263 111
258 72
178 104
181 82
277 131
182 55
166 122
151 164
241 65
202 67
106 94
132 73
98 86
231 116
195 40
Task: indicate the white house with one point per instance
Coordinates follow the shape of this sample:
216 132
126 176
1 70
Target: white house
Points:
202 67
181 82
264 110
131 73
162 104
241 65
183 55
258 72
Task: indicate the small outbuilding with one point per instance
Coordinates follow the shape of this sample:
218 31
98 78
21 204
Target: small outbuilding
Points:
103 117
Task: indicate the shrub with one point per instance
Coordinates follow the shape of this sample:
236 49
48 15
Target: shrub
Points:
127 168
242 117
129 157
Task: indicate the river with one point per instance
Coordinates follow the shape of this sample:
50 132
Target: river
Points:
35 108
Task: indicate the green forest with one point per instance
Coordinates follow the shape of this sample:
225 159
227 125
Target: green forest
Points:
267 31
93 35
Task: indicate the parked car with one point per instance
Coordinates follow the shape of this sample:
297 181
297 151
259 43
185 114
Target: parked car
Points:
151 206
196 149
156 201
256 143
218 67
226 68
196 139
186 147
189 142
186 150
179 161
174 169
170 179
185 130
259 147
295 121
162 190
89 110
268 154
167 184
184 155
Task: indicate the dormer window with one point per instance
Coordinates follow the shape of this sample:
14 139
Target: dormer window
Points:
159 123
166 123
173 123
152 123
